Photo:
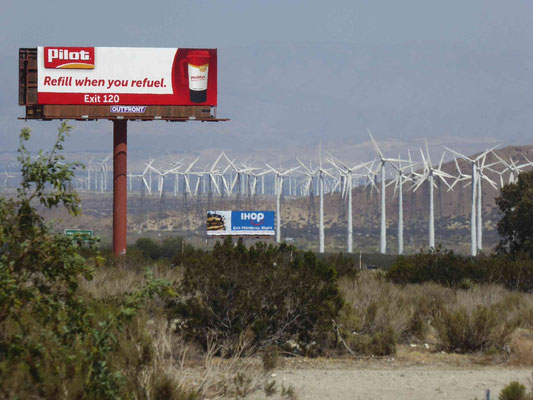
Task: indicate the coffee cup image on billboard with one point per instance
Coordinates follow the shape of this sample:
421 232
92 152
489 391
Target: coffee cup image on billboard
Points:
198 70
215 222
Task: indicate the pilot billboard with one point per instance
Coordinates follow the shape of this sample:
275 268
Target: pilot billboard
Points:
126 76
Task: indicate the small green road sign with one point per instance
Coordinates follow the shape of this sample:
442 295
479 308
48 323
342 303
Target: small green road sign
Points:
83 234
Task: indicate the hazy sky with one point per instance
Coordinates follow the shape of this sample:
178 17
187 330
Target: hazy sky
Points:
222 23
227 23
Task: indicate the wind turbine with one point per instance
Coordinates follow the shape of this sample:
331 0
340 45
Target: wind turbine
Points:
398 181
160 179
320 172
238 179
89 169
382 162
7 176
186 174
347 188
429 175
473 164
480 178
148 169
279 174
511 166
104 172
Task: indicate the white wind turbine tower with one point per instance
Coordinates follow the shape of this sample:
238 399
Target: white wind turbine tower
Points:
130 181
251 179
211 176
383 231
185 174
278 189
429 175
175 165
89 169
237 179
398 181
160 179
480 178
225 181
473 164
256 175
347 188
103 174
99 171
104 171
321 172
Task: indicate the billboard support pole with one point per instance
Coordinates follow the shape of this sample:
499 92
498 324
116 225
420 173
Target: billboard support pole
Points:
120 190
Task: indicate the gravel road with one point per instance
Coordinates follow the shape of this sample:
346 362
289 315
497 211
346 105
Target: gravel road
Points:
419 382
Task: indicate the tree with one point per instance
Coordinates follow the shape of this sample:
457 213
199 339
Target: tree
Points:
516 226
55 340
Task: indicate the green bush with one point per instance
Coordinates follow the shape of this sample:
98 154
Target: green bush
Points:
514 391
445 267
483 328
272 293
437 265
382 343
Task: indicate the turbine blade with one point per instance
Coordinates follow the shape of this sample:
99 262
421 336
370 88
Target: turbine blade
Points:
375 144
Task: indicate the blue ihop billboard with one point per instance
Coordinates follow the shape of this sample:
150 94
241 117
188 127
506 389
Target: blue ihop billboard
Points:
255 223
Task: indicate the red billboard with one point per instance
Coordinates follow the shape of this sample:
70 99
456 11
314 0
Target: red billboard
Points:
126 76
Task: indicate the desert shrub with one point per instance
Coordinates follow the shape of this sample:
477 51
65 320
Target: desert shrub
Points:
153 250
478 319
271 293
166 388
515 272
436 265
373 318
447 268
382 343
514 391
375 305
270 357
345 265
483 328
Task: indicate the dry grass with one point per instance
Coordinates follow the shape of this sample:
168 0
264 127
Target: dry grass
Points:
111 281
404 308
209 373
214 376
388 299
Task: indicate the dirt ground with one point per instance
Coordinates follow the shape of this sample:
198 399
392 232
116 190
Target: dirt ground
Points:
403 382
414 374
